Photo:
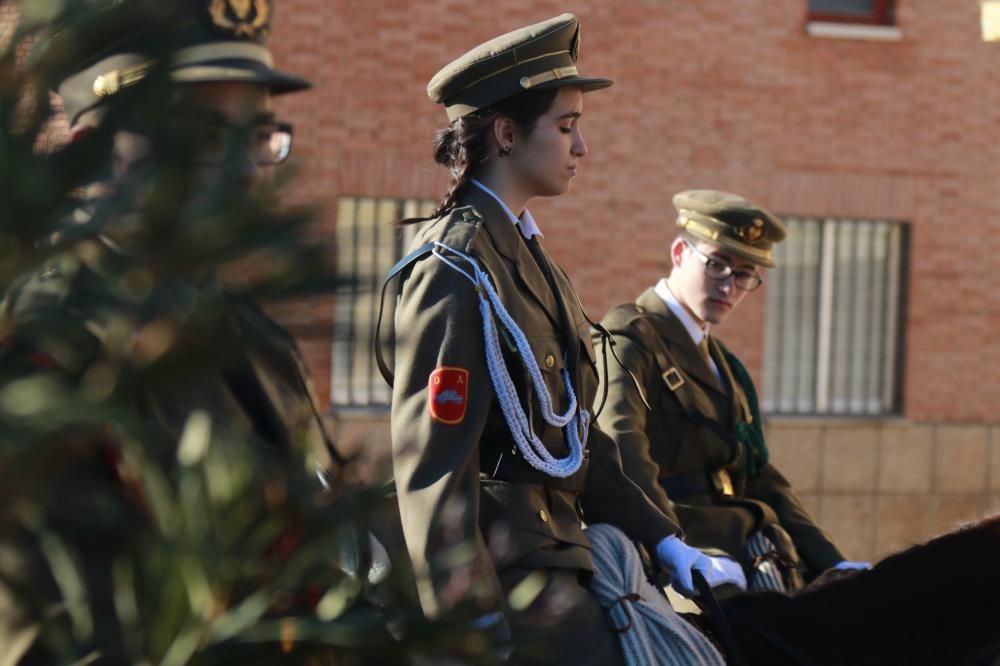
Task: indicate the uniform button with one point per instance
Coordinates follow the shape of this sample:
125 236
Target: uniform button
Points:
550 360
544 517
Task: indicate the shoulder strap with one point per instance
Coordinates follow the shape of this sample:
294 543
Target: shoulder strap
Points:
383 368
676 382
617 318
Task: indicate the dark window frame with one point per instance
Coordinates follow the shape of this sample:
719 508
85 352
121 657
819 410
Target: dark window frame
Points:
883 13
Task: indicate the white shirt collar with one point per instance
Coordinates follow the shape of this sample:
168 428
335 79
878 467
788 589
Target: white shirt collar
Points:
526 223
694 330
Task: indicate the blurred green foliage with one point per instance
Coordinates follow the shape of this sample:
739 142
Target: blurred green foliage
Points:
127 537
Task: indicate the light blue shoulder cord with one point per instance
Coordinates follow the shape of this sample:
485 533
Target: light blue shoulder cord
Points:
577 420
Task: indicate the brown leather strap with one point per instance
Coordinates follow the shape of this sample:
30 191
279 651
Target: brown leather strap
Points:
665 362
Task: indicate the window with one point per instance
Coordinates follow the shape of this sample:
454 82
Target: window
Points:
879 12
369 243
835 304
990 19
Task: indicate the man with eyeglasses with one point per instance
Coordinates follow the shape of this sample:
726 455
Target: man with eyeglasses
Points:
220 107
261 393
697 449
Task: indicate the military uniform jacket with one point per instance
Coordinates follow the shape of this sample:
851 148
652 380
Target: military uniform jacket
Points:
666 442
463 516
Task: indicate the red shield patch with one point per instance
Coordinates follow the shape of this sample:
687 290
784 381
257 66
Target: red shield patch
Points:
448 394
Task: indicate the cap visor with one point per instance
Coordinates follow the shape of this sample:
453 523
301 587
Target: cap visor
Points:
583 83
277 81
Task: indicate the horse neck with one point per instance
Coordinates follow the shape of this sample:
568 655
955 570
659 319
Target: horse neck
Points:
931 604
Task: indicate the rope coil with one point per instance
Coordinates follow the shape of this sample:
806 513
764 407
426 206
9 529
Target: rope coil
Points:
575 421
649 631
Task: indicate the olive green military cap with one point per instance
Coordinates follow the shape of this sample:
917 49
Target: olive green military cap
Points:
98 47
537 57
731 222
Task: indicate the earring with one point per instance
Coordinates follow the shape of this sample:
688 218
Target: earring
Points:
504 152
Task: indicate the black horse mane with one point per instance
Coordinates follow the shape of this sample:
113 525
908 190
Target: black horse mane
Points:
934 603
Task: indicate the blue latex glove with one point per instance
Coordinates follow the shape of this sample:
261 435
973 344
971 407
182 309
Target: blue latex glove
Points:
679 559
848 565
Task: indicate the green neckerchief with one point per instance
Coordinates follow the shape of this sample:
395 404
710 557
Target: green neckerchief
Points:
751 434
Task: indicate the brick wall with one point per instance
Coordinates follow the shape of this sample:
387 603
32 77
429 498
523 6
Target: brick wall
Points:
733 96
708 94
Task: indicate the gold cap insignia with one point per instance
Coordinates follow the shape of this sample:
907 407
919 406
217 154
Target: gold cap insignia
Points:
751 233
111 82
242 18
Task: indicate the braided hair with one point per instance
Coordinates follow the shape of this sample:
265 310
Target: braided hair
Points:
463 146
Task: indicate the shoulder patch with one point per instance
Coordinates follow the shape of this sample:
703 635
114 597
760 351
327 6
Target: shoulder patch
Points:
447 394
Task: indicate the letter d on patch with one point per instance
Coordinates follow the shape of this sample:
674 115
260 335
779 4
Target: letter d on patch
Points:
448 394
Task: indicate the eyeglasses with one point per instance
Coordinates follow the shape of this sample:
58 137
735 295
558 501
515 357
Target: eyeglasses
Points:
267 142
720 270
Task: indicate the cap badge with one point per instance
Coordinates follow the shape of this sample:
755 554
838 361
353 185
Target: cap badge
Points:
752 232
241 18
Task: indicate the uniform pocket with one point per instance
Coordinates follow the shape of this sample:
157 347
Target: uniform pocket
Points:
549 359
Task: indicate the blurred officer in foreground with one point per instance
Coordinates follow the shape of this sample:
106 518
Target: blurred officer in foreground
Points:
699 452
496 463
109 316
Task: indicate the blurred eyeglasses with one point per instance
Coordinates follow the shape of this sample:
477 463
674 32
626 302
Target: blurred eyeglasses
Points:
720 270
266 142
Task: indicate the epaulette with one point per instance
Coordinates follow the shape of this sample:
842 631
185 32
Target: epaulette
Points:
457 228
621 317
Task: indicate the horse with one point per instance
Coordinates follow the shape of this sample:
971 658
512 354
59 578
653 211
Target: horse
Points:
935 603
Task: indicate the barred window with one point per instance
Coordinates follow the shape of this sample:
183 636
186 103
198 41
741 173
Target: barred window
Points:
834 333
369 243
881 12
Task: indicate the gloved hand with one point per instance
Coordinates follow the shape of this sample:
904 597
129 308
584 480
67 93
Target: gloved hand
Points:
722 570
848 565
679 559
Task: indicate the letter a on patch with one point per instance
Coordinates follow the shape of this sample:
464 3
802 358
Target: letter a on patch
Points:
448 393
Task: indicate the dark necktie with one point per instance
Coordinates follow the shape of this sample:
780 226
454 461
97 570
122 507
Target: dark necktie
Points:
566 334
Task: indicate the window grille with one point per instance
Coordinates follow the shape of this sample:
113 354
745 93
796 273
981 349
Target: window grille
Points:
835 304
369 243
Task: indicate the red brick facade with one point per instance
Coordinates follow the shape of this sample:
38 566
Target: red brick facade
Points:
714 93
728 95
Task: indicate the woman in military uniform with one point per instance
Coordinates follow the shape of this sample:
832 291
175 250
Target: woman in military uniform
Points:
495 459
